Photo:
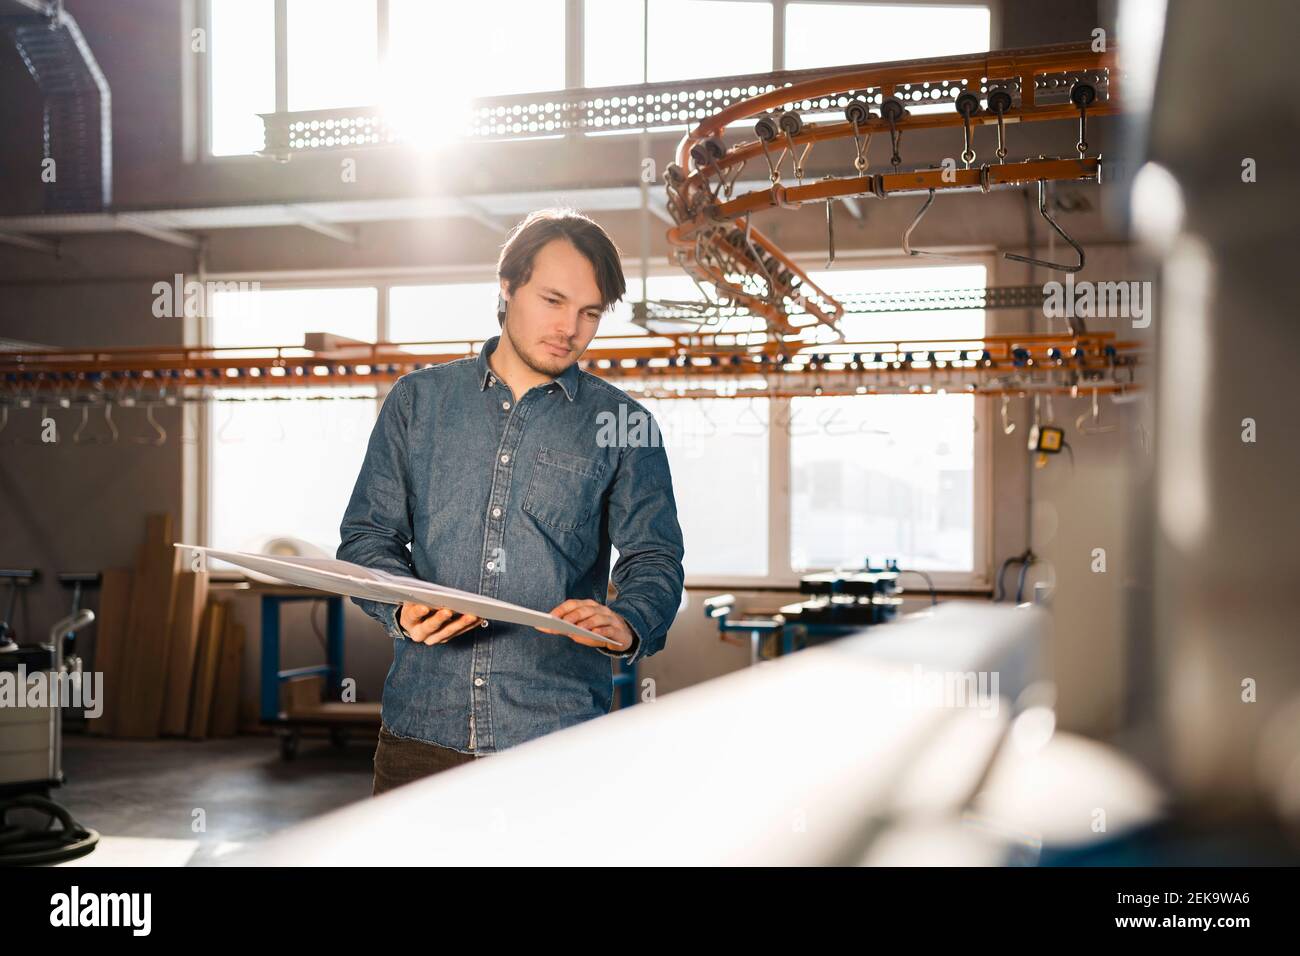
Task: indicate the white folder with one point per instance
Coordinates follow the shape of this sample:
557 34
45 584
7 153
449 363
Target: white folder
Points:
353 580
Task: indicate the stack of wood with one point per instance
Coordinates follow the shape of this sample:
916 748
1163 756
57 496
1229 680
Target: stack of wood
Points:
170 656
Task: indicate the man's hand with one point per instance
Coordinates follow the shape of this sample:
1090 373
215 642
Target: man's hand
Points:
596 617
428 625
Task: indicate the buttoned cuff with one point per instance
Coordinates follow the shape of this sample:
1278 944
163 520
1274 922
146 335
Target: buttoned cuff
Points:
396 630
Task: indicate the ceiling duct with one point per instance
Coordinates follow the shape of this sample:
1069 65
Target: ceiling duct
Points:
77 105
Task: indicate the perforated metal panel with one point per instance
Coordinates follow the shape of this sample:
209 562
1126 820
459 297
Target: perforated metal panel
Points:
649 106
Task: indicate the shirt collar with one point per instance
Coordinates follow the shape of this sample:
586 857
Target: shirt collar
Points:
568 379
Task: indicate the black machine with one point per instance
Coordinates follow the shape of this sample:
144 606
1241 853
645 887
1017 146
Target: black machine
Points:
32 733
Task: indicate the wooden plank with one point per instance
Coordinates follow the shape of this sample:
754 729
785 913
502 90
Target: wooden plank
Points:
205 670
301 695
225 702
110 632
145 660
186 629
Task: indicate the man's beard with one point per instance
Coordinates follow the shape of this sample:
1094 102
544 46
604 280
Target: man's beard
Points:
542 363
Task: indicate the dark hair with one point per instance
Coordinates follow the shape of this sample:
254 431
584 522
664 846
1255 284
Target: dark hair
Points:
541 226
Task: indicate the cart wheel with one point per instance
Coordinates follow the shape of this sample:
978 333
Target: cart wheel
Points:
288 745
338 737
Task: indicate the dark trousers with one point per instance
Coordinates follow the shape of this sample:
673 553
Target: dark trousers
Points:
400 760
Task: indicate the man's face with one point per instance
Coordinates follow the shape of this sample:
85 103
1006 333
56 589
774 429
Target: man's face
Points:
555 314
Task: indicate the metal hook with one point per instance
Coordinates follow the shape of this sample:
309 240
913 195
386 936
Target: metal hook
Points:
907 235
1042 211
830 231
1007 426
160 432
827 421
749 410
221 435
1095 411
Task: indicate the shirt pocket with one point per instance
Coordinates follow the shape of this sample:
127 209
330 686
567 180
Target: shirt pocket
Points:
564 488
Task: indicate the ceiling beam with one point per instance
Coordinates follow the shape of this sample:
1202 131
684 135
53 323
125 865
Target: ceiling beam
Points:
48 246
171 236
330 230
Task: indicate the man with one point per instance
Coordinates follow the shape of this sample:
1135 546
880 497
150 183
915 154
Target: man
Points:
510 474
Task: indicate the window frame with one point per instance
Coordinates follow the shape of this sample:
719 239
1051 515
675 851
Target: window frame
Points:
574 55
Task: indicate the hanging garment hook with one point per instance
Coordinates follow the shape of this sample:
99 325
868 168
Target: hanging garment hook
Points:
221 435
859 113
85 418
893 110
108 420
748 411
1093 429
916 220
999 102
1008 426
830 232
160 434
1042 211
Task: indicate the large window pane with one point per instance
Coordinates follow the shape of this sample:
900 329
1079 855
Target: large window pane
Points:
838 34
717 450
438 62
888 476
242 52
450 312
613 38
882 476
333 54
285 463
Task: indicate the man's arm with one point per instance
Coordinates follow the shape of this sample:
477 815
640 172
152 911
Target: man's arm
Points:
376 526
643 526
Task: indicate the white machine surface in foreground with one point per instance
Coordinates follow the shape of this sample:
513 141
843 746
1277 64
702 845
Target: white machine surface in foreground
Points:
354 580
809 759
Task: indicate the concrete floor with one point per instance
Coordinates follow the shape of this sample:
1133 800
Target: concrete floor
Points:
149 790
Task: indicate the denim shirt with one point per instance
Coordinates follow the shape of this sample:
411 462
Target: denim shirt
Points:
518 501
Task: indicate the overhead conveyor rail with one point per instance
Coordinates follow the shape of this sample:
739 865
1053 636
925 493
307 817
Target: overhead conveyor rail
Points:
715 240
685 365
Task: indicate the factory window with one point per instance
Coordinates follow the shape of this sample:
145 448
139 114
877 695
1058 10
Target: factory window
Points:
282 462
242 82
446 312
614 38
333 53
889 476
408 57
841 34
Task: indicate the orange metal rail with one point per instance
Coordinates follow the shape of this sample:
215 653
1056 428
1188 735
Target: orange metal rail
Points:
715 240
1094 358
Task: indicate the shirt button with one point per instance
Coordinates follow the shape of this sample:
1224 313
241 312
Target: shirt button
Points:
483 623
496 512
478 682
504 459
491 565
505 404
